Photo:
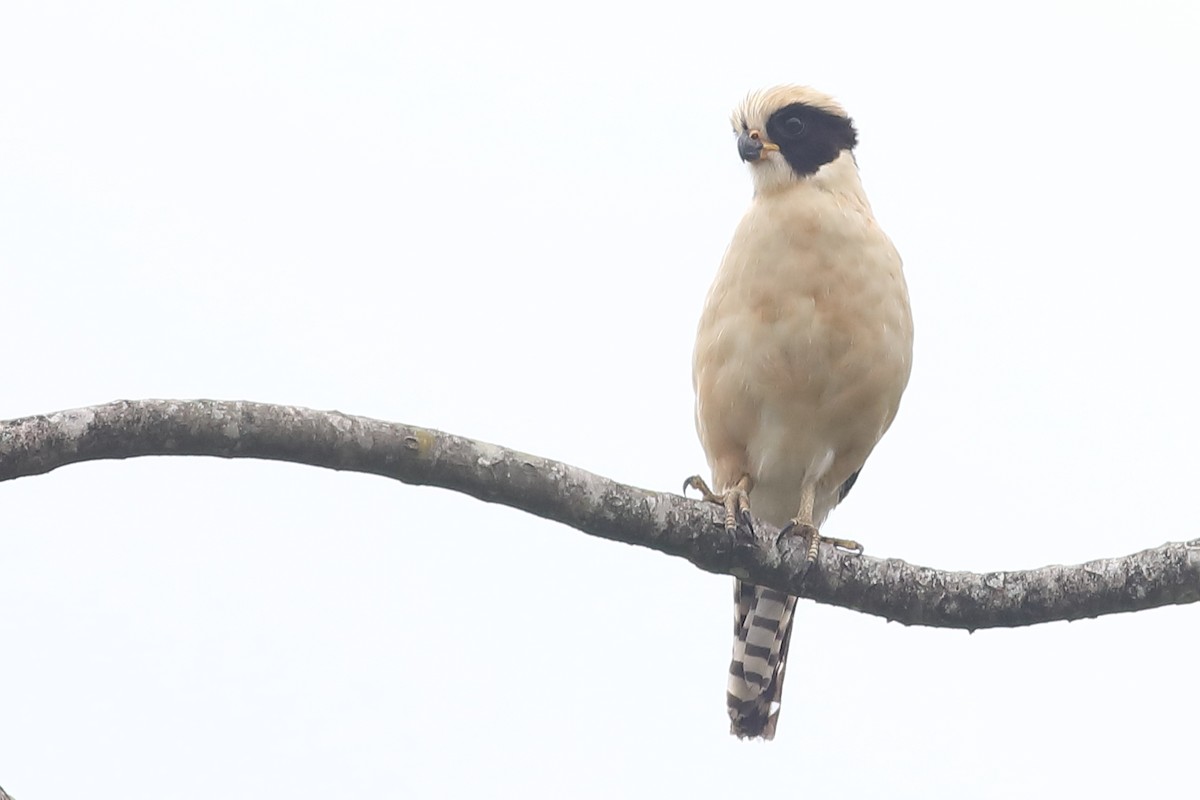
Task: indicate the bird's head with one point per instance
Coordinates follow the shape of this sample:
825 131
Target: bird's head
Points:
787 133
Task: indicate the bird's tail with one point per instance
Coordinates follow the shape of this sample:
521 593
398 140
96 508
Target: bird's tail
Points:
762 628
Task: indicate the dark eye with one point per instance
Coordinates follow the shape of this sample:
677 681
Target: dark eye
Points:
794 127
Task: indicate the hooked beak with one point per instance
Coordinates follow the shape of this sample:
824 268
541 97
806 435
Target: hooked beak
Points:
751 145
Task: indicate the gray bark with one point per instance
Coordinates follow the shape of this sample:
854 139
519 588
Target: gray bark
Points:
669 523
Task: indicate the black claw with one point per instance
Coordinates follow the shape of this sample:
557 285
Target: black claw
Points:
784 533
790 530
785 541
748 519
743 535
744 538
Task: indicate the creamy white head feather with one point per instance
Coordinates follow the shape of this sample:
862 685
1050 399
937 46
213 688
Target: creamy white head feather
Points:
758 106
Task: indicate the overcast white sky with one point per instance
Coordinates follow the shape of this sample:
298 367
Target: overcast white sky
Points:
501 221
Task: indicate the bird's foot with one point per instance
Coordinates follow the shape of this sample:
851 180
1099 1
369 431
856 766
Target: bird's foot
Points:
735 501
814 538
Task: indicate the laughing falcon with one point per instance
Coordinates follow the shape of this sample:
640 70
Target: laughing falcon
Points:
803 350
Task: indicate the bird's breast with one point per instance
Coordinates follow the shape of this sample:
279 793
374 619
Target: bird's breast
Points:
805 343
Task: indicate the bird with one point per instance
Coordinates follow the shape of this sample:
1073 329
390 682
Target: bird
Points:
803 350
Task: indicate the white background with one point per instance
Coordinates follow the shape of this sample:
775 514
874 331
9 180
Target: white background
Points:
500 221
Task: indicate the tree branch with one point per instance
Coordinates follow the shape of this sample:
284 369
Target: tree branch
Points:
598 506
